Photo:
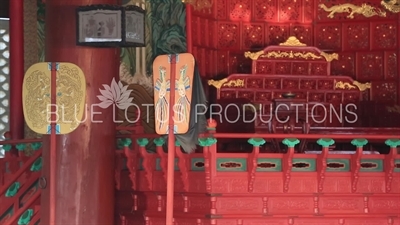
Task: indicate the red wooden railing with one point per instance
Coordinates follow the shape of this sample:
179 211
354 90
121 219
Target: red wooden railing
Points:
19 180
206 193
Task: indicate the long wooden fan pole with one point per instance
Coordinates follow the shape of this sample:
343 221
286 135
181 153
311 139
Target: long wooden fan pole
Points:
171 145
53 151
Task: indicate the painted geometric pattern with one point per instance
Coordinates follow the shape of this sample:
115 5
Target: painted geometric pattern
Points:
303 165
232 164
269 165
275 165
197 164
337 165
371 165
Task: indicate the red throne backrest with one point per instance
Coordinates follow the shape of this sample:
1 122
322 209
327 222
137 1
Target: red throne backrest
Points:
295 68
291 67
291 57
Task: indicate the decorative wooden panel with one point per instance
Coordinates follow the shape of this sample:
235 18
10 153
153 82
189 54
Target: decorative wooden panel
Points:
367 45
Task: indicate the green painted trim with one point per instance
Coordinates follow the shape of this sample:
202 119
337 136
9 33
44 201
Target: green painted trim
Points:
12 190
310 168
197 164
377 163
343 163
25 217
37 165
277 163
239 163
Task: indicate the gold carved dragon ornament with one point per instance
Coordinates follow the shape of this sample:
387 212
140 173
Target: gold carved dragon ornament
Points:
225 83
363 9
354 85
391 5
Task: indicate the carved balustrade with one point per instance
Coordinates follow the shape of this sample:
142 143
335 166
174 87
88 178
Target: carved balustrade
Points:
244 188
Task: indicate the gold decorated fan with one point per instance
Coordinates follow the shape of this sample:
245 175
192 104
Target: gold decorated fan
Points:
66 109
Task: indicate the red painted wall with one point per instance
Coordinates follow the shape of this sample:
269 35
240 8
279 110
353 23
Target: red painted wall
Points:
368 47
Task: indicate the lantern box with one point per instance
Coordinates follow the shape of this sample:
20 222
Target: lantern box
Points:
110 26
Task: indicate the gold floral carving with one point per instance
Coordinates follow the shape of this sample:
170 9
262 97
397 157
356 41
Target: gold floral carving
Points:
282 54
330 57
253 55
199 4
292 41
365 10
354 85
234 83
391 5
217 83
393 109
291 54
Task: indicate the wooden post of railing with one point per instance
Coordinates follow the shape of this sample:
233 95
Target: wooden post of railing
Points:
147 162
321 160
356 161
287 161
209 159
131 163
252 161
183 166
390 164
159 142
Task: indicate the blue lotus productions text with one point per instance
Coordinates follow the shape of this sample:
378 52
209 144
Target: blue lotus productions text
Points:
311 112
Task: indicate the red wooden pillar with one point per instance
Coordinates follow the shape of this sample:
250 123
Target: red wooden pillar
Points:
189 38
16 68
85 157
